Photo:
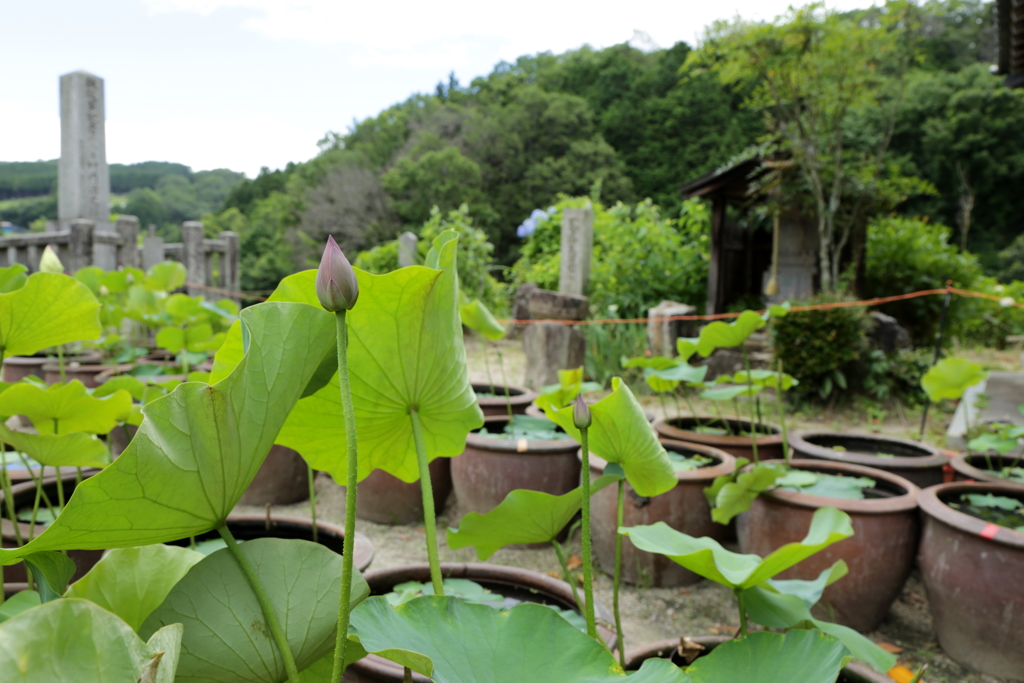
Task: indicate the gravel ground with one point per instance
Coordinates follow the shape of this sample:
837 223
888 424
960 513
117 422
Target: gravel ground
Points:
651 614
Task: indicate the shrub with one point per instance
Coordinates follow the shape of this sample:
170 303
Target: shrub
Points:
821 347
475 257
640 258
897 375
910 254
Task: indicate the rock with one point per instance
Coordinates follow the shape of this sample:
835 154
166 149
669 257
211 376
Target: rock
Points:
887 334
662 334
544 304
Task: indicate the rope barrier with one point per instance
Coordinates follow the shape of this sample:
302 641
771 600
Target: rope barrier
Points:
877 301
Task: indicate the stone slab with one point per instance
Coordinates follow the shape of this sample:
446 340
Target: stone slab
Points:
662 334
1004 392
407 252
550 348
544 304
83 177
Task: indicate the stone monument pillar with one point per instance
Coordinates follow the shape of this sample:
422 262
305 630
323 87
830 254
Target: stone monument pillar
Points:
407 242
553 346
83 178
577 245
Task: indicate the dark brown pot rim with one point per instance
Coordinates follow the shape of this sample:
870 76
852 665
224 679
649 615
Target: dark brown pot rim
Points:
962 464
726 463
905 502
35 359
669 431
518 396
386 579
90 367
364 550
933 505
635 656
490 443
930 456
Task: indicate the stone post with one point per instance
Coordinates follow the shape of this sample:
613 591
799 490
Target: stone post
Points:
551 347
577 245
152 251
407 253
231 277
128 228
80 244
662 334
193 256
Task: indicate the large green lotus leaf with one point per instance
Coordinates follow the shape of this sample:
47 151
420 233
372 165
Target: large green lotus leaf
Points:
734 497
478 318
452 641
729 392
657 384
655 362
950 378
770 605
620 433
795 657
523 517
132 582
65 408
133 385
165 276
706 557
77 640
12 278
226 638
683 372
58 450
686 347
51 571
199 447
721 335
50 309
91 277
405 351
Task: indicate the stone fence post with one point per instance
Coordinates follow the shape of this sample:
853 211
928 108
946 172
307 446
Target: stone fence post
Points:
407 242
230 275
193 256
80 244
128 228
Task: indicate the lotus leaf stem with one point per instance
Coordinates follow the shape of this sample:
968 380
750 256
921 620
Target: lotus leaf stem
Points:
504 380
312 501
565 570
351 480
620 507
588 571
487 366
754 432
429 522
689 404
743 612
273 624
60 361
782 416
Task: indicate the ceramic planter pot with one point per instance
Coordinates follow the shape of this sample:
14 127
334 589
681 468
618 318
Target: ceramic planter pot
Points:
880 554
519 397
17 368
684 508
24 496
972 571
386 499
511 582
769 447
971 467
916 462
490 468
666 649
281 480
246 527
86 373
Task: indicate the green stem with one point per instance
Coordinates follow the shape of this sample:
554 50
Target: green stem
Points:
504 379
351 481
60 361
679 411
60 479
718 409
273 624
750 397
406 675
743 612
9 496
38 481
565 570
619 514
487 365
661 400
184 353
782 416
689 404
429 522
588 571
312 501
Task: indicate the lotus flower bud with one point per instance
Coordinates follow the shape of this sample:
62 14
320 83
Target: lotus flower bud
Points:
336 285
581 413
49 263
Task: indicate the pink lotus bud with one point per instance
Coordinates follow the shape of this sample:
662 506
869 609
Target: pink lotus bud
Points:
581 413
336 285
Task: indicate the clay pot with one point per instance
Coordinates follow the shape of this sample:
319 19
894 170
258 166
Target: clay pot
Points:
385 499
282 479
971 467
17 368
880 554
916 462
87 374
666 649
769 447
245 527
535 411
519 397
972 571
24 496
684 508
490 468
512 582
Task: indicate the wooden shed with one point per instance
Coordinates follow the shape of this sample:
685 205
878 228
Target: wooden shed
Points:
1010 25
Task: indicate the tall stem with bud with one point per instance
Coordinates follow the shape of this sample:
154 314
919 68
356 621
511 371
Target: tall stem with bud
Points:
337 289
581 418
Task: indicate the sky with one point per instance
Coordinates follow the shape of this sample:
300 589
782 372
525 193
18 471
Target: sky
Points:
243 84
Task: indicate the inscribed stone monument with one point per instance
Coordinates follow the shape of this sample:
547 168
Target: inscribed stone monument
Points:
407 249
577 245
